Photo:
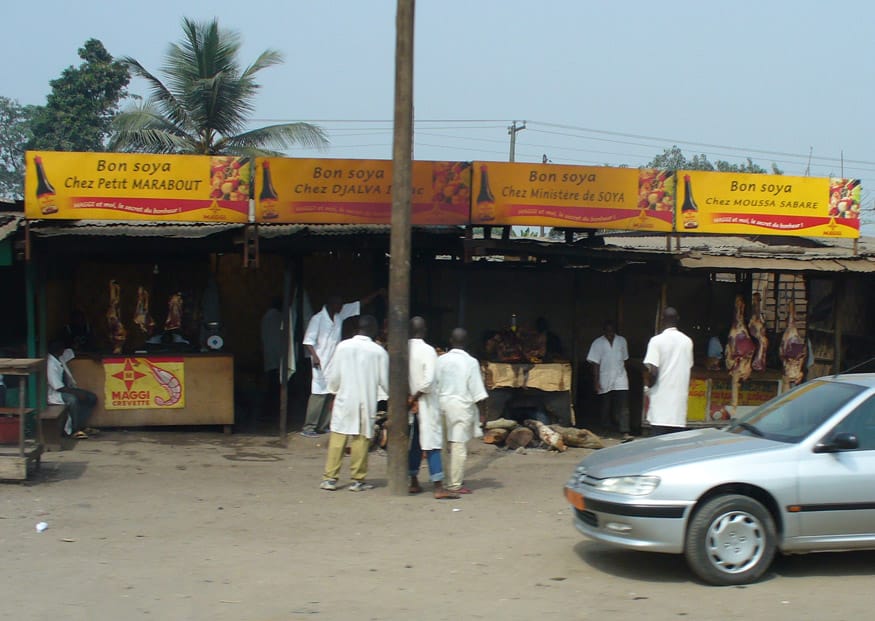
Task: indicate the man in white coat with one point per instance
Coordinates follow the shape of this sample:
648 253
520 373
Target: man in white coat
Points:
460 389
358 376
608 355
667 365
320 340
426 434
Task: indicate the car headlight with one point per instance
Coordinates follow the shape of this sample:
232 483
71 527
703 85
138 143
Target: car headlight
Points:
631 486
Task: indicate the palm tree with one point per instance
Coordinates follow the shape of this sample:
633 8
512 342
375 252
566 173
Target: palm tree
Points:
203 105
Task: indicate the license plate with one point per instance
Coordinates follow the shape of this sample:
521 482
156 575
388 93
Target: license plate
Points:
575 499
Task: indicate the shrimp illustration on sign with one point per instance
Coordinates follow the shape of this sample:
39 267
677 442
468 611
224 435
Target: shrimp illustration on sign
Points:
169 382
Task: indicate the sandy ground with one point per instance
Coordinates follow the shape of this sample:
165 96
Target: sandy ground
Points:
197 525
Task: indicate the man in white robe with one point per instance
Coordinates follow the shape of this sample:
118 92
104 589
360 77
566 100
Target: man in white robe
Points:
320 340
460 389
358 376
426 434
667 363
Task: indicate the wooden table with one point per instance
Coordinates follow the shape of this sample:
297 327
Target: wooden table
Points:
551 378
15 459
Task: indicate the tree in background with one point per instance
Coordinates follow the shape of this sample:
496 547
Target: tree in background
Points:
674 159
205 101
79 111
15 132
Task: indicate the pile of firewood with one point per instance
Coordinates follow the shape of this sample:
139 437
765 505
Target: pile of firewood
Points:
532 433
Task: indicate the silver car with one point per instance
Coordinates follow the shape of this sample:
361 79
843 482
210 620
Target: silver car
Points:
797 474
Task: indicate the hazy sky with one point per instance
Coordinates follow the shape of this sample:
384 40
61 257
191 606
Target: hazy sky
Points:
598 82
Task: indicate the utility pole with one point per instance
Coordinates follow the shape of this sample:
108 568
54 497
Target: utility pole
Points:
512 130
399 264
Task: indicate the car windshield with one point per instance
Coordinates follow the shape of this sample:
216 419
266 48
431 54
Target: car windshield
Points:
792 416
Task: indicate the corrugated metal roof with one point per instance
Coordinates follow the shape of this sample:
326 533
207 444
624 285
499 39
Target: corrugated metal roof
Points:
269 231
113 228
9 224
699 261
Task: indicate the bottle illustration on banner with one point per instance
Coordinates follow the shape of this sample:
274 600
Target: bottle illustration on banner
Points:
45 192
485 199
689 209
268 197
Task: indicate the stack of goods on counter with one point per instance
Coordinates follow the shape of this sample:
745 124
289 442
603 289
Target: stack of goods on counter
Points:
532 434
517 345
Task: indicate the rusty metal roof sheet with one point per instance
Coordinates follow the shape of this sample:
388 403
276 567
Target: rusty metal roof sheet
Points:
269 231
113 228
9 224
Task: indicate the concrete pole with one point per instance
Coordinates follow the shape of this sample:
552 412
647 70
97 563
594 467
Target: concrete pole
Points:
399 265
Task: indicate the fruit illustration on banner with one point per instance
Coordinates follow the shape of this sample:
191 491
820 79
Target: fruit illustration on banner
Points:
450 184
229 178
844 198
656 189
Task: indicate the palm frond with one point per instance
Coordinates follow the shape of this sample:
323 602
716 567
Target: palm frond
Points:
285 136
205 100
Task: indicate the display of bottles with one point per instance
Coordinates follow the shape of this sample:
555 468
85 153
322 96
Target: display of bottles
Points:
268 197
45 192
689 209
485 199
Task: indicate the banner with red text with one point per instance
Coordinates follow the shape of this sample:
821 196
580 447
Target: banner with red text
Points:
753 204
335 191
132 186
572 196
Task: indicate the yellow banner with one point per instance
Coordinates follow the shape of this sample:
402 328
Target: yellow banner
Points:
572 196
144 383
314 191
751 204
128 186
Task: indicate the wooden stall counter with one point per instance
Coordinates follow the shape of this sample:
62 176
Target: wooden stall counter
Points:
710 397
550 382
144 390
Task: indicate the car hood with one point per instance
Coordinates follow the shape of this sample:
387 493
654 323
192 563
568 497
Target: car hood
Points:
653 454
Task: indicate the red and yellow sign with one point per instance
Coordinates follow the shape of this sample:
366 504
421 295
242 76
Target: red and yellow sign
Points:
572 196
314 191
752 204
128 186
144 383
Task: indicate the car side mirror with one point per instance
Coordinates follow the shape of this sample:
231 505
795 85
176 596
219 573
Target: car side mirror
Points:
839 442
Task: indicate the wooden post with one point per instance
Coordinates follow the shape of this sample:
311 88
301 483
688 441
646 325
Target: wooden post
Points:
285 335
399 265
838 317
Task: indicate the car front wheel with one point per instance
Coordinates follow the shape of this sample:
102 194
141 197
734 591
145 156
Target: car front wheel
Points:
730 540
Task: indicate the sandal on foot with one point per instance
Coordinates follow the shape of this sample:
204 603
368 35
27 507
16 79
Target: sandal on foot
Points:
80 435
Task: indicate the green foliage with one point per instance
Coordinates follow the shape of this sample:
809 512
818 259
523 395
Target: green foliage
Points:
674 159
79 110
205 101
15 133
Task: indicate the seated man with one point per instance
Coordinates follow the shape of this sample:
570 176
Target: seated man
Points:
62 390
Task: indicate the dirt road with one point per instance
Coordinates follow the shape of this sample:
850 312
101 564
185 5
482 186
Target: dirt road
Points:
168 525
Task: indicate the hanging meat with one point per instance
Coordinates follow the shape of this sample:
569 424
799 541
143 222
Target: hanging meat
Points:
793 350
739 352
174 313
142 318
757 328
739 346
117 332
